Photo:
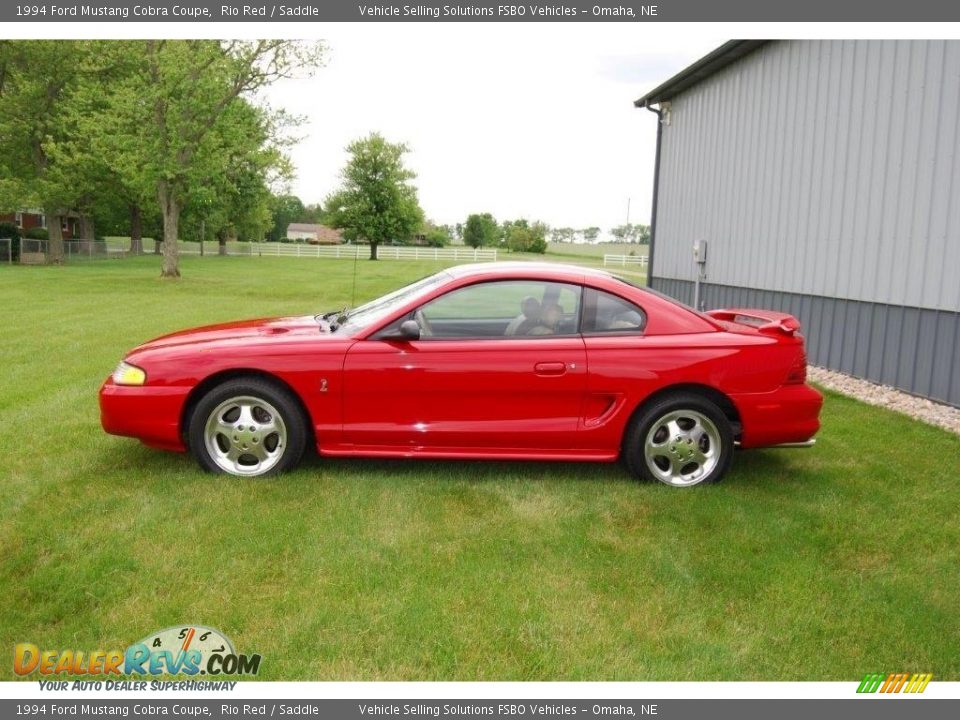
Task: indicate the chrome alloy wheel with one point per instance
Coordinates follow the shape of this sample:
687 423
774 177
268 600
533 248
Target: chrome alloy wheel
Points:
245 435
682 448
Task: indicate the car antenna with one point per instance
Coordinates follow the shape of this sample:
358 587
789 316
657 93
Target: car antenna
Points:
353 292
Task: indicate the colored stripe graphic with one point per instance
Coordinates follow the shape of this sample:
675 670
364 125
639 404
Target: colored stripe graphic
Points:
918 683
894 682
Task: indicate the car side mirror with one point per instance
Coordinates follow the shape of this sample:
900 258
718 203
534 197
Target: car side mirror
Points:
410 330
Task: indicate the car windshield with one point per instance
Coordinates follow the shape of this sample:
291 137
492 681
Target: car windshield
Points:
375 310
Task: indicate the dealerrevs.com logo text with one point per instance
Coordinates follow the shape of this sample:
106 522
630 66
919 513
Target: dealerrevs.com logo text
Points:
180 650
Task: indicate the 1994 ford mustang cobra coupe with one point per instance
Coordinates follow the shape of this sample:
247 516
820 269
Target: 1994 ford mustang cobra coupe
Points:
500 360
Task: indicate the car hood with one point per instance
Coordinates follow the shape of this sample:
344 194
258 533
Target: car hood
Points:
260 329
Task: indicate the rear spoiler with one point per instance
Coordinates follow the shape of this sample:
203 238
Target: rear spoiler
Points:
765 321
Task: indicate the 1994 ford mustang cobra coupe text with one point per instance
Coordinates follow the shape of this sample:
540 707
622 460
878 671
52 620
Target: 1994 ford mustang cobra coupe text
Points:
501 360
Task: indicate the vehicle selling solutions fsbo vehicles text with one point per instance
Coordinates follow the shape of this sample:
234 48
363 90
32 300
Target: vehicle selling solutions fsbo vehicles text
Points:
505 11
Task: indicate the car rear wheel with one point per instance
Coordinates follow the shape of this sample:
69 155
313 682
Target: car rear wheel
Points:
247 427
681 440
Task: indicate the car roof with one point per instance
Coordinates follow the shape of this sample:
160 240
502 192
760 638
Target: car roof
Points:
534 268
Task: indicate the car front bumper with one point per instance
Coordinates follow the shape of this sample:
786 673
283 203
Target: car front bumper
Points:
150 414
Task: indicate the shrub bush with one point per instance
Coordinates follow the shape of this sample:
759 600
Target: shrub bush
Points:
527 238
10 230
436 237
37 233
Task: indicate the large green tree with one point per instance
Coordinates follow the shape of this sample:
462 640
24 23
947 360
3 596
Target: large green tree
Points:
80 157
313 213
36 81
100 126
164 120
284 209
480 229
376 201
236 202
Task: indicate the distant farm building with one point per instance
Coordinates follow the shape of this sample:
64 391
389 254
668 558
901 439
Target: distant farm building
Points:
314 234
29 219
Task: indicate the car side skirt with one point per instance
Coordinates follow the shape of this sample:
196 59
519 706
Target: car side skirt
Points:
472 453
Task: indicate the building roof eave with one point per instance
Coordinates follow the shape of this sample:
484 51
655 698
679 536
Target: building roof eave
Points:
703 68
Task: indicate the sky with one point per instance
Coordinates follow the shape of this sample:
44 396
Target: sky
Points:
524 120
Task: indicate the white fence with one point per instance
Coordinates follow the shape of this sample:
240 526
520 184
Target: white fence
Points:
624 260
384 252
84 249
35 251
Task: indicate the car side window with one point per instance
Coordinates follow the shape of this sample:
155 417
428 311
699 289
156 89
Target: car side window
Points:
502 309
605 313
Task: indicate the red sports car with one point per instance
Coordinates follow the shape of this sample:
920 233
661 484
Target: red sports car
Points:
499 360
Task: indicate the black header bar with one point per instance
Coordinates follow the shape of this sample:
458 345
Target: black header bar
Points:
568 11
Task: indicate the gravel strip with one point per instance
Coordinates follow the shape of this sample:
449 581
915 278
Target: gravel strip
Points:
944 416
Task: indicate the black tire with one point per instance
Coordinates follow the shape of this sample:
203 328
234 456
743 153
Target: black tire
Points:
274 451
674 455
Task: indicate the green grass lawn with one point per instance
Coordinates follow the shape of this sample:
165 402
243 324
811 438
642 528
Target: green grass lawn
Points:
596 250
802 565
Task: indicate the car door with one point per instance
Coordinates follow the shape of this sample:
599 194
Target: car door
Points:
624 365
483 377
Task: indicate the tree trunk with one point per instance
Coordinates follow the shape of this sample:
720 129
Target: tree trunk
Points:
222 249
373 250
55 239
136 230
170 207
157 246
87 228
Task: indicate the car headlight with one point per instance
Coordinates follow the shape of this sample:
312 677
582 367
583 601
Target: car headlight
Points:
127 374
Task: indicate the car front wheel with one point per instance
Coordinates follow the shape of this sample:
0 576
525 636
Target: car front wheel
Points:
247 427
680 440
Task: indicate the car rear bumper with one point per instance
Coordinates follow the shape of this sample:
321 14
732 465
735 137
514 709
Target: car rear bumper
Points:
150 414
790 414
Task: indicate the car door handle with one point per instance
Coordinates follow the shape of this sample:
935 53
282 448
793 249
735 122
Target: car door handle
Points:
550 368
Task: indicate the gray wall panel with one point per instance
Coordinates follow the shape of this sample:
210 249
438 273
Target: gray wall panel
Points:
838 338
945 378
848 344
820 167
818 341
926 338
861 353
909 355
915 349
878 328
892 327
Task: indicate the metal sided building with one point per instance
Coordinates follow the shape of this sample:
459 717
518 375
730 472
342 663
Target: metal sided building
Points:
823 179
